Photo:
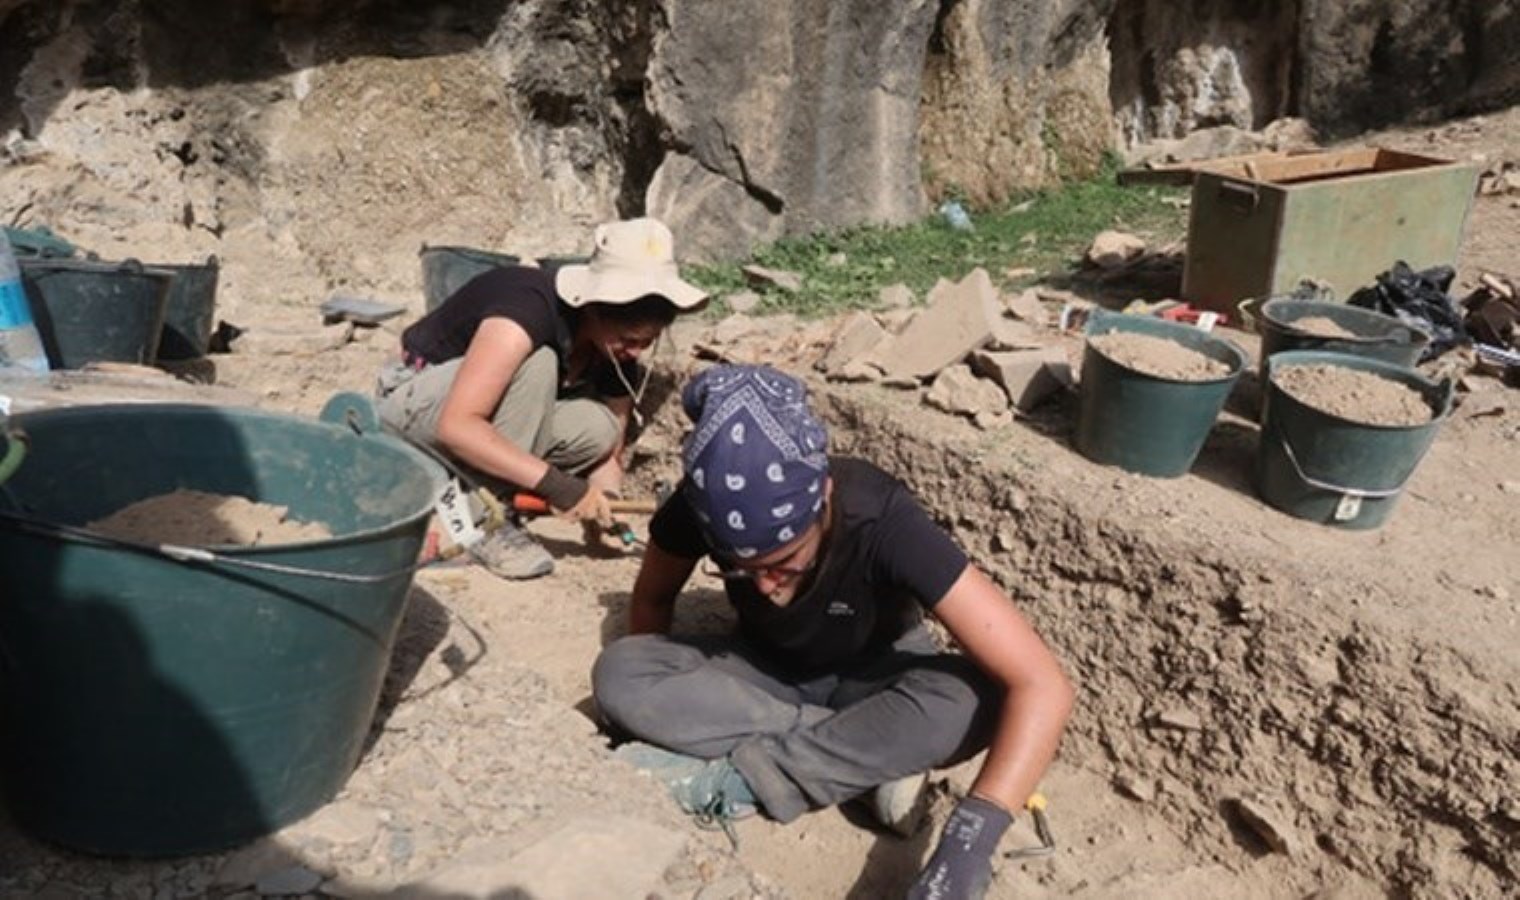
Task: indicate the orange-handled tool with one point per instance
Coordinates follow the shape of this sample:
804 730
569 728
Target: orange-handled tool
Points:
532 504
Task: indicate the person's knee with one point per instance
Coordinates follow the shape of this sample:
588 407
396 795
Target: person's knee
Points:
585 433
623 671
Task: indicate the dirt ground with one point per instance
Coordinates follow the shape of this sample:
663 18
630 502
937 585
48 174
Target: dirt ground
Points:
1357 689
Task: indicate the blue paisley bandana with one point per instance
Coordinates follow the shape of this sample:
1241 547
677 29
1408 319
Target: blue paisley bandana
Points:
756 461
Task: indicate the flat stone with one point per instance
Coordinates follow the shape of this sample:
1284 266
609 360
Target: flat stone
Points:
956 390
762 277
856 372
1510 487
1179 719
290 342
960 318
1025 305
1112 249
603 857
1026 376
896 296
856 337
1134 787
1008 334
743 301
1268 824
248 865
732 328
897 320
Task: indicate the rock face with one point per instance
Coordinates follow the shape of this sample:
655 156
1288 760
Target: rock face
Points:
1345 66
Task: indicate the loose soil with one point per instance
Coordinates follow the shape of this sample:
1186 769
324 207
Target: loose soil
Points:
1354 395
1158 357
1321 326
198 519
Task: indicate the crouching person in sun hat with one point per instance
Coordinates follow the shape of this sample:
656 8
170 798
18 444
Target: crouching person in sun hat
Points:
832 688
527 379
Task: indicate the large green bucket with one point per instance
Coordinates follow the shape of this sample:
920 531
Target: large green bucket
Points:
1374 335
1153 426
1318 466
447 269
88 311
161 703
190 311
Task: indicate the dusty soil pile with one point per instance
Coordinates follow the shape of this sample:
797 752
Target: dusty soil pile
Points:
1158 356
197 519
1321 326
1354 395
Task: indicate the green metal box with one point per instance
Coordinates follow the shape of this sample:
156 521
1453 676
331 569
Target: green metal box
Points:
1260 226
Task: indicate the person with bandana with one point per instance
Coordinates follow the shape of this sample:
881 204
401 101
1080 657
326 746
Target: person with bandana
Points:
525 378
832 687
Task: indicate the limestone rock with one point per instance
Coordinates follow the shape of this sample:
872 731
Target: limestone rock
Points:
1112 249
763 277
1270 825
1026 376
857 336
895 296
1025 306
742 302
957 390
961 317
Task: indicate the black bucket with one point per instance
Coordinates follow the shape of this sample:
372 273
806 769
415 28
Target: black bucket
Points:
88 311
447 269
190 313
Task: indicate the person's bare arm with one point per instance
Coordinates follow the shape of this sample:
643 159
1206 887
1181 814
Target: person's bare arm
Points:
659 582
1039 697
497 351
608 475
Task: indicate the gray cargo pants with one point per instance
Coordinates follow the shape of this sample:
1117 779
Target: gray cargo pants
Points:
800 743
574 435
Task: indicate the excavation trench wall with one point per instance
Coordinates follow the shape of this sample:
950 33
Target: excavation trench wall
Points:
1208 677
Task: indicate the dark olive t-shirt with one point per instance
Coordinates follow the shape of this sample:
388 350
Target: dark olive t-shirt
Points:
884 563
525 296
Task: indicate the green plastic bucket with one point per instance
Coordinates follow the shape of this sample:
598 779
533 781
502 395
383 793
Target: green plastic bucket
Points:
1318 466
88 311
154 706
1375 335
190 311
1141 423
447 269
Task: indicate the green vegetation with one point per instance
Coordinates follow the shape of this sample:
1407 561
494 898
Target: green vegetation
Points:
1045 231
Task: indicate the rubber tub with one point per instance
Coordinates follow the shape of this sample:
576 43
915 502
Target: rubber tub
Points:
164 702
1142 423
88 311
447 269
190 311
1318 466
1374 335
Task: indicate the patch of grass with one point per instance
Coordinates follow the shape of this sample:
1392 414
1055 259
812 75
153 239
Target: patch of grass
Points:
1046 231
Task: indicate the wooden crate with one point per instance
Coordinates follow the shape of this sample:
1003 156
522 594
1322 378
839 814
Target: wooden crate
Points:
1258 227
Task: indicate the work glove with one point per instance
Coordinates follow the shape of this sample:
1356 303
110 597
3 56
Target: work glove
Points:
961 867
574 498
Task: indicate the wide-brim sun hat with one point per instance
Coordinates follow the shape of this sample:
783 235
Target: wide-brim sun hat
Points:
631 259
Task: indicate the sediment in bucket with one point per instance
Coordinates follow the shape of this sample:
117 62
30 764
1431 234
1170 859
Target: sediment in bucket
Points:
1375 335
190 311
88 311
153 707
1317 466
447 269
1142 423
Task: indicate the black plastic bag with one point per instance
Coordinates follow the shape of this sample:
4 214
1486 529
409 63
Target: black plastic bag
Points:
1418 299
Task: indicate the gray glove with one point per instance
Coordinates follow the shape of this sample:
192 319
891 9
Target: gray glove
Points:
961 867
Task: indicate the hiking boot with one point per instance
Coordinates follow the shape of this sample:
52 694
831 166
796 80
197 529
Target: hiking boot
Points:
712 790
513 554
901 805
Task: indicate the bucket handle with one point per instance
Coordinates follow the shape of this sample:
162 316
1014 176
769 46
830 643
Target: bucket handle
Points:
193 555
1340 488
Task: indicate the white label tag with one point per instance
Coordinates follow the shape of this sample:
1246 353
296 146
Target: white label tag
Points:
453 511
1349 507
5 405
1207 321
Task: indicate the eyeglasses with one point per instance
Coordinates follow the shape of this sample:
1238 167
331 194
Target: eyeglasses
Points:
779 572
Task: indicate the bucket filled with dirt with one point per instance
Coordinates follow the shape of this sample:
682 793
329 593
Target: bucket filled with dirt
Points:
447 269
1341 435
1287 323
198 614
1150 392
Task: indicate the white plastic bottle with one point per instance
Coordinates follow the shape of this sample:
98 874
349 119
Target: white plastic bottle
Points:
20 345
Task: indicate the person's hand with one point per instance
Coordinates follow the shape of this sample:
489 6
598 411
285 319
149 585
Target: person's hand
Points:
592 507
961 867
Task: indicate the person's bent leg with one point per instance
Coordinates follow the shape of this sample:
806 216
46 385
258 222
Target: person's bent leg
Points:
931 711
702 700
579 434
412 407
525 410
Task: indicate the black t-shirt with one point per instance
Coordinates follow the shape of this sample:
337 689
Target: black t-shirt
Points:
885 561
525 296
